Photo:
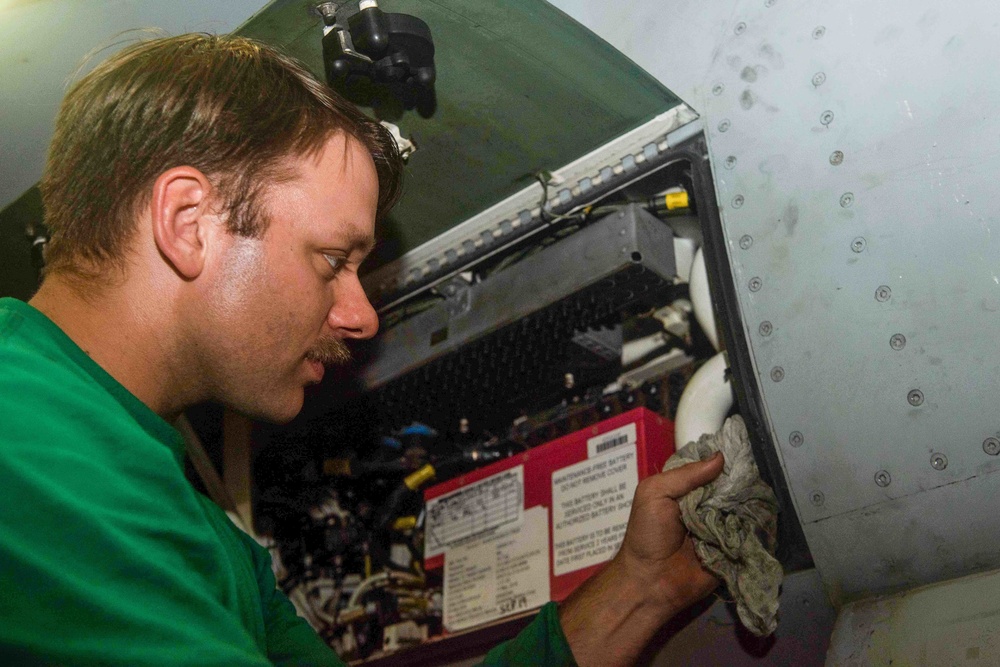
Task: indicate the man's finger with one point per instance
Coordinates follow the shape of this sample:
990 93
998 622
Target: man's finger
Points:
679 482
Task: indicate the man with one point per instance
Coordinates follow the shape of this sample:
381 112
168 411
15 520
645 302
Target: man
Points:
210 204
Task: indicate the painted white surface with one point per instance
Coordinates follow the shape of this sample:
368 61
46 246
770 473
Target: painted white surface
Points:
673 40
44 42
951 623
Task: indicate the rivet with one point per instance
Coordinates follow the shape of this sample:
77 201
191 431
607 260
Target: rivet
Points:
740 28
730 162
819 78
770 3
837 158
817 498
915 397
746 241
795 439
724 126
765 328
826 117
755 284
939 461
991 446
847 199
883 293
882 478
859 244
738 201
718 89
819 32
777 374
897 342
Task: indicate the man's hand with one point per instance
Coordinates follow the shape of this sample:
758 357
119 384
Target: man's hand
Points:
655 575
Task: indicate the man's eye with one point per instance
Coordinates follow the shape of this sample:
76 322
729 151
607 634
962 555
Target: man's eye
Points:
336 263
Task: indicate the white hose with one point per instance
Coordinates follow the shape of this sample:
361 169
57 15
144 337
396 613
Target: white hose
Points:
705 402
701 298
401 578
318 619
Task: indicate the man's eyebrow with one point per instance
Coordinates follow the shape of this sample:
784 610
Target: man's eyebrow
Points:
365 243
360 241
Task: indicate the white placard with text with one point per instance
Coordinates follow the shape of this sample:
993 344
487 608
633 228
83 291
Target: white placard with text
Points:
504 573
591 501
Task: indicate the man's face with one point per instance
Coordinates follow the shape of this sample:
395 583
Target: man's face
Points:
282 305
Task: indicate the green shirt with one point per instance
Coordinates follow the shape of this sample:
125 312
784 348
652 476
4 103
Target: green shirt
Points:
108 555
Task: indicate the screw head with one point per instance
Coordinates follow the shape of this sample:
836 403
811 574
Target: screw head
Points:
837 158
818 32
819 78
898 342
817 498
883 293
746 241
882 478
826 117
724 126
718 89
328 10
795 439
730 162
939 461
991 446
765 328
847 199
777 374
859 244
755 284
915 397
740 28
738 201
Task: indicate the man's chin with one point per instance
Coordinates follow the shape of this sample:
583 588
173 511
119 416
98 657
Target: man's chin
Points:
278 413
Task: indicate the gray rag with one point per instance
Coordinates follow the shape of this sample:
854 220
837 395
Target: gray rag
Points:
734 523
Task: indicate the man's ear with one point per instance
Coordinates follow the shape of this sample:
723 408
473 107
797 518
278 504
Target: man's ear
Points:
182 216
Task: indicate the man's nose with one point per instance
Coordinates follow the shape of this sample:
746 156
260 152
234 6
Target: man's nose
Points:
352 315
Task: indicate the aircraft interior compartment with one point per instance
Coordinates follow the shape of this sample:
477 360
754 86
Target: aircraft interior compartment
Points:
624 228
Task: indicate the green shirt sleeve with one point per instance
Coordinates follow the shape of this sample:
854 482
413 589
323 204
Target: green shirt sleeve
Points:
541 643
291 641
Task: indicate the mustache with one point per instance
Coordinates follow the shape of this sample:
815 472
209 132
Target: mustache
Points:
330 351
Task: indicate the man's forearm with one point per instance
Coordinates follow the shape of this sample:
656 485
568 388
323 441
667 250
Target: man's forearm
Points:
611 618
607 621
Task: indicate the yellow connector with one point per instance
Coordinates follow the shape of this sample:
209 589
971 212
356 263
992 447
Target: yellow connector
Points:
417 479
676 200
405 523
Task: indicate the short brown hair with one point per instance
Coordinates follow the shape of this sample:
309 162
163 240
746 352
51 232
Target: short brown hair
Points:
229 106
